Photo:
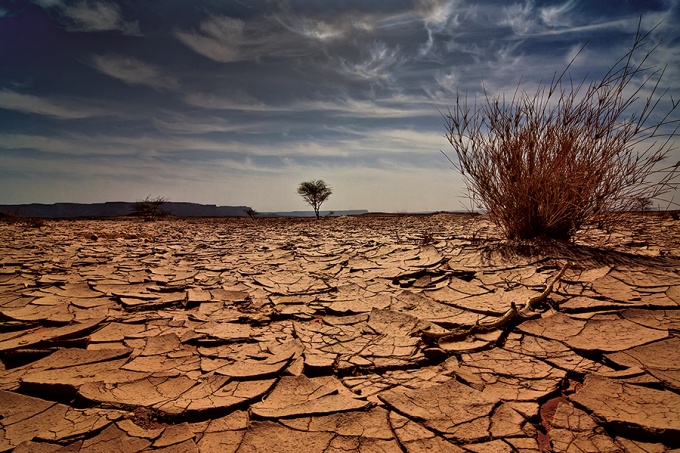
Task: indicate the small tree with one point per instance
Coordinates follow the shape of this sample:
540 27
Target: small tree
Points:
314 192
545 164
150 209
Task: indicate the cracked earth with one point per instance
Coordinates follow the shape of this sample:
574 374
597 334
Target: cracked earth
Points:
370 334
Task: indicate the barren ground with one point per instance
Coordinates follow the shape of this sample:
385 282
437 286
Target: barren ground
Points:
347 334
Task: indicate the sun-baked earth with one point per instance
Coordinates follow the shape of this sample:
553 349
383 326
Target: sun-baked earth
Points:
346 334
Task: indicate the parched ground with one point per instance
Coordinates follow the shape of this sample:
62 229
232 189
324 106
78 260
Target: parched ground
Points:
371 334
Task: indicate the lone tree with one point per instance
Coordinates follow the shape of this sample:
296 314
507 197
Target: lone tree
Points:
150 209
549 162
314 192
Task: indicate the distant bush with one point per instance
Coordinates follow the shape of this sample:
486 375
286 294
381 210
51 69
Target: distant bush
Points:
33 222
11 218
545 164
250 212
150 209
8 217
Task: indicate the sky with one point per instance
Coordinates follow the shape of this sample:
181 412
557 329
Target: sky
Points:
236 102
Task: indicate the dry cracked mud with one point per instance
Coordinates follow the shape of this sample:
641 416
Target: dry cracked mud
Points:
370 334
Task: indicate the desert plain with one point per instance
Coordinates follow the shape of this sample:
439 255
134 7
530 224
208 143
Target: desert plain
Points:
366 333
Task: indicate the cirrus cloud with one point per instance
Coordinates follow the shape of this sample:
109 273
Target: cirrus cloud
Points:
91 16
59 109
134 72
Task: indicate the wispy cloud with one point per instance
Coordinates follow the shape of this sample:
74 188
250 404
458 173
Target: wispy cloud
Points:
236 100
178 123
220 39
437 15
91 16
28 103
319 30
280 35
527 19
395 106
557 16
134 72
377 65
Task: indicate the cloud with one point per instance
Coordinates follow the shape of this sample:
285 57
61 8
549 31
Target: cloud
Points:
280 35
91 16
395 106
27 103
134 72
528 20
377 66
448 81
436 16
318 30
232 101
178 123
220 39
557 16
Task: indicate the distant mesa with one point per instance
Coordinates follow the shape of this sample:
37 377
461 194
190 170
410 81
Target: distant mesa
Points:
124 208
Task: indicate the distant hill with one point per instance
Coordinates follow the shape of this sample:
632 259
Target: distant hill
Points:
117 209
125 208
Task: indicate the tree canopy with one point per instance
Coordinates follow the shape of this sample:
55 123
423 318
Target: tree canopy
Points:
314 192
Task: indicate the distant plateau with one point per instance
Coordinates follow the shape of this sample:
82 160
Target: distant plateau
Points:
124 208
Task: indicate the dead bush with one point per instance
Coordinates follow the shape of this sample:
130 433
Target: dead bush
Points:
150 209
547 163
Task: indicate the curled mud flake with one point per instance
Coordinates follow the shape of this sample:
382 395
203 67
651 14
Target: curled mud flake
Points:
626 408
654 319
552 352
613 335
369 424
421 306
416 438
47 335
78 422
174 434
22 417
614 289
66 381
647 278
145 392
161 344
447 409
661 359
113 438
506 422
301 396
134 430
637 446
263 435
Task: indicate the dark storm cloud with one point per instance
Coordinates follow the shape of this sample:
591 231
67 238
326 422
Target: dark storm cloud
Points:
223 102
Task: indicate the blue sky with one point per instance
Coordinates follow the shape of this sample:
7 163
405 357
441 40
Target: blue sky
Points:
236 102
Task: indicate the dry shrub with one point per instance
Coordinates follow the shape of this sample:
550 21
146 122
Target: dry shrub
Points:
150 209
545 164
